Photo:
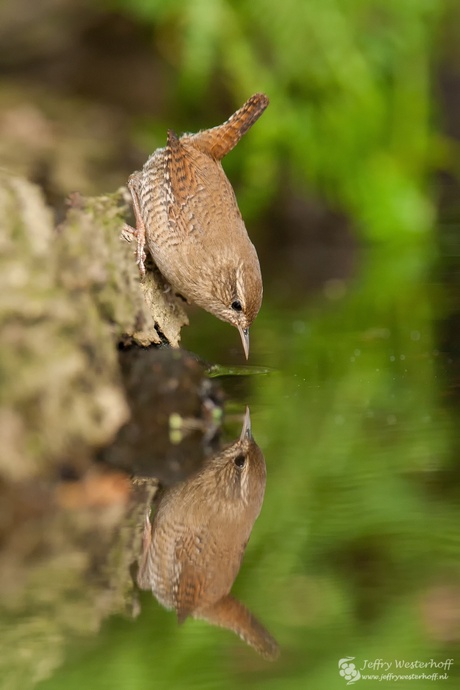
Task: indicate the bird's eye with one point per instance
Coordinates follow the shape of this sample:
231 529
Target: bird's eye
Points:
236 305
239 460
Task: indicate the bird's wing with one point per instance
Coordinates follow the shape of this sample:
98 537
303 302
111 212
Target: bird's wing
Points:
191 580
186 176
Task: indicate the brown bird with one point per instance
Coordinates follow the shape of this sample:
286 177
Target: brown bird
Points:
192 551
187 215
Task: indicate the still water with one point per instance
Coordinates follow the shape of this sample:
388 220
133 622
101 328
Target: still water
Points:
354 562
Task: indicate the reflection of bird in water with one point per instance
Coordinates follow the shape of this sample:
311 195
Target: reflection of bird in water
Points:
193 549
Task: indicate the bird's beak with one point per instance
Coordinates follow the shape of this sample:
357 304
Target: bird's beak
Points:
246 430
244 333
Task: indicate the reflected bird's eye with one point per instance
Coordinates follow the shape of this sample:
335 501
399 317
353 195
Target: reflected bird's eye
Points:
236 305
240 460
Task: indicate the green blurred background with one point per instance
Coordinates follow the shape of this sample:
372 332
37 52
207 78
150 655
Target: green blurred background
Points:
349 187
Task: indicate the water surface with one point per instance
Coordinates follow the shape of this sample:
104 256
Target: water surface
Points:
357 549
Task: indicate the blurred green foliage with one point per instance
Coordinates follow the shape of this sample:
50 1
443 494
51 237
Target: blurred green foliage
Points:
351 115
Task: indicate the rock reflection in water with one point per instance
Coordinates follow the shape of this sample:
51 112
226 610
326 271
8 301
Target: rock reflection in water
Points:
164 387
192 551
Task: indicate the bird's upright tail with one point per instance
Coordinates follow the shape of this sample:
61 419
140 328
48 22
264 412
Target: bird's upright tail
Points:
220 140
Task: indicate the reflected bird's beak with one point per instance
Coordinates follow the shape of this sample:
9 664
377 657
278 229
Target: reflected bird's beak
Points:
244 333
246 430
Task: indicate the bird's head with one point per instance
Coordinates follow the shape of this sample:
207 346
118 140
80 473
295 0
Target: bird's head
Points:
233 292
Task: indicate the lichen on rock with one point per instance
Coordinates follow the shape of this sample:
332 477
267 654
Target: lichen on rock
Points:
67 296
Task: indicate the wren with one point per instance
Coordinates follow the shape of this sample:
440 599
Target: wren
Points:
188 218
193 549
